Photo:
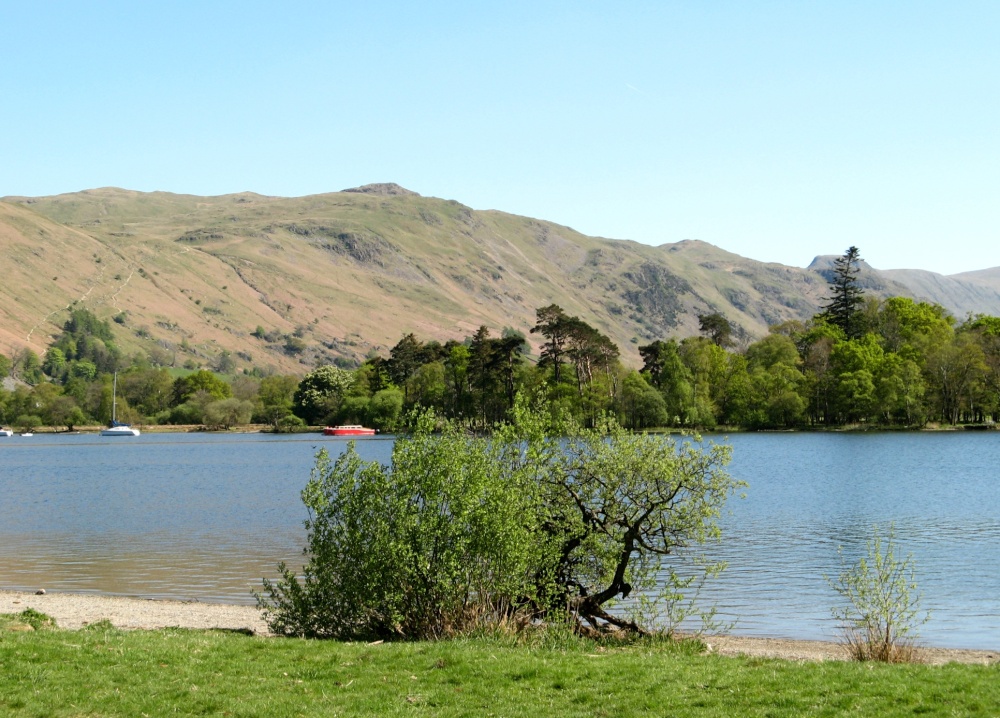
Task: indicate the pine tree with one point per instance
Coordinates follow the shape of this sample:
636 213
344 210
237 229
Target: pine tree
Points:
717 328
553 324
843 307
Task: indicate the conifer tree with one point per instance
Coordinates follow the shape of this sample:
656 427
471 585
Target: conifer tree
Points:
553 324
843 307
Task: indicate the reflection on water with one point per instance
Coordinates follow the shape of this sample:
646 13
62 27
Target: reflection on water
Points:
191 516
204 517
151 567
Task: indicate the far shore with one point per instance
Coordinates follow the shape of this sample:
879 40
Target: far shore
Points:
74 611
176 429
267 429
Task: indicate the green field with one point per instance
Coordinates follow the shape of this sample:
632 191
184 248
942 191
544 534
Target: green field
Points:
101 671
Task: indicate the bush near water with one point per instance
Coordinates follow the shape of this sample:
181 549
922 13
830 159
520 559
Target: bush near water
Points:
542 522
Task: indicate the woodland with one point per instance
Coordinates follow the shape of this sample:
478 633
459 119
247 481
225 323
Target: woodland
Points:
860 362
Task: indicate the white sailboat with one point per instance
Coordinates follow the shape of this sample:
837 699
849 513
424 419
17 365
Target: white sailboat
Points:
117 429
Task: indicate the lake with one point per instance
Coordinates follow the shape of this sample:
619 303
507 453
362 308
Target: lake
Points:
205 516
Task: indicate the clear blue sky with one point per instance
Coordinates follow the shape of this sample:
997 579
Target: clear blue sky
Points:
776 130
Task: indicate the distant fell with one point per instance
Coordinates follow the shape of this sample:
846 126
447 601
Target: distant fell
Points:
288 283
963 294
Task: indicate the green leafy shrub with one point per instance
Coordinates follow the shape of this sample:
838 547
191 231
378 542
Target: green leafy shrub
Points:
424 549
227 413
27 423
542 520
289 424
882 611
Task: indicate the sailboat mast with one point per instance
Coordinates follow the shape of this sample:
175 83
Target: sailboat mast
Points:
114 401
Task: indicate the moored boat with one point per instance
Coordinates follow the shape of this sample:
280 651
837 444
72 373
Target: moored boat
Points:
117 428
120 430
348 430
6 432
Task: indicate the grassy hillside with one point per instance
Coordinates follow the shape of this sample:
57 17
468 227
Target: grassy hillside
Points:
46 268
350 272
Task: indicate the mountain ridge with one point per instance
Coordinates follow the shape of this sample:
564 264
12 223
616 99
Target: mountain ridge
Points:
288 282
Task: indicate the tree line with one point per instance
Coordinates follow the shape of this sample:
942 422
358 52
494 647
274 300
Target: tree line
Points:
71 386
860 361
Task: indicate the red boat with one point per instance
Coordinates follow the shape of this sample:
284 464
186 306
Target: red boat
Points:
348 430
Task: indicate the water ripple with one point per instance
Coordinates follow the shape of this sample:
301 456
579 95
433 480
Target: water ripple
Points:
204 517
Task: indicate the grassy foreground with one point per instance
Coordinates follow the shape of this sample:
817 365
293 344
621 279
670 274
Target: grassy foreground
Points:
102 671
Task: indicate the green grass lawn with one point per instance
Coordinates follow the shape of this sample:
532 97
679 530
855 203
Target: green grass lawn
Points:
101 671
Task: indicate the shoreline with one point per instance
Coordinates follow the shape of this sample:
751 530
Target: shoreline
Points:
930 428
75 610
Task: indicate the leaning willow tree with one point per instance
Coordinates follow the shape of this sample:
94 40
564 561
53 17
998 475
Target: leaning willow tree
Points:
543 520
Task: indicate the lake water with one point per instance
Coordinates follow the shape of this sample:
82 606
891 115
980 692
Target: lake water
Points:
205 516
812 494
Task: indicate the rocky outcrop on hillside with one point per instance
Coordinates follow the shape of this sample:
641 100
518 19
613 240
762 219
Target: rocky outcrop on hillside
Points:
869 278
383 189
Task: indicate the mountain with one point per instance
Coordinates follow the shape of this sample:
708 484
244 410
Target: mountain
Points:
969 292
289 282
984 277
870 279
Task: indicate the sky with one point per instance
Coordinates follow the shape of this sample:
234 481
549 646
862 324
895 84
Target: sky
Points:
775 130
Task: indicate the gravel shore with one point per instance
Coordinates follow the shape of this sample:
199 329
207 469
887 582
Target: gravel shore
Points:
74 611
794 650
